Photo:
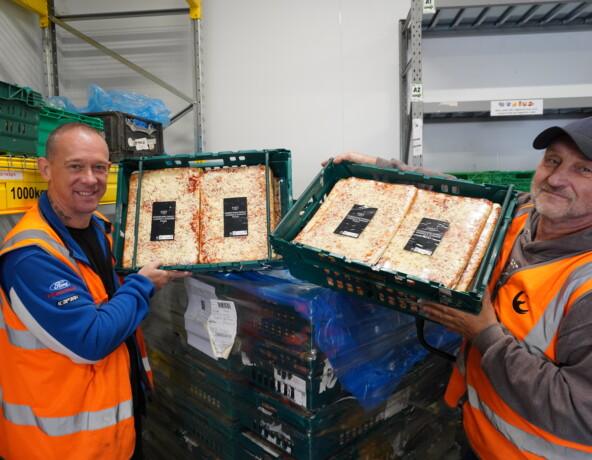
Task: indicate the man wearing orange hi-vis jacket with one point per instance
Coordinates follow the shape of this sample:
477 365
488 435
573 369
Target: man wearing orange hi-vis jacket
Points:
523 376
73 367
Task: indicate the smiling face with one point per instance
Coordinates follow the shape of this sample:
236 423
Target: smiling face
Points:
562 185
76 171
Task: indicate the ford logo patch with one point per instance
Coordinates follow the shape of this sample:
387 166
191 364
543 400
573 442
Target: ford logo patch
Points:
62 284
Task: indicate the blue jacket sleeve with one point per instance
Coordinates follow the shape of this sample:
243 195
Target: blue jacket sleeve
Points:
57 308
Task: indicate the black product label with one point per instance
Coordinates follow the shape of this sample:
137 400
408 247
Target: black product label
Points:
163 221
427 236
236 222
356 221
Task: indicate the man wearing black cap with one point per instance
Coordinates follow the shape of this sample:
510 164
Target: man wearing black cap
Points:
523 376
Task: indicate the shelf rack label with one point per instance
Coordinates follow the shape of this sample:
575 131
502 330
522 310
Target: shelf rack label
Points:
429 6
417 92
11 175
516 107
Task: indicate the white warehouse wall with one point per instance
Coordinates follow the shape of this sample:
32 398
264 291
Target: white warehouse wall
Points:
21 58
318 78
499 67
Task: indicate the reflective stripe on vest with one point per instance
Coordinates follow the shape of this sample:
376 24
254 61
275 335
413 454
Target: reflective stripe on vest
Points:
146 363
26 339
552 287
23 339
541 335
523 440
83 418
59 426
45 238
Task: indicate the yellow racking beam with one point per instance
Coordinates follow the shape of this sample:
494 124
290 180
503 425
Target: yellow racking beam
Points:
194 9
36 6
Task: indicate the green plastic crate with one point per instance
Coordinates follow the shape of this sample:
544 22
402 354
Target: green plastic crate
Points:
389 288
319 434
305 379
204 429
19 119
278 161
520 179
254 446
216 389
50 118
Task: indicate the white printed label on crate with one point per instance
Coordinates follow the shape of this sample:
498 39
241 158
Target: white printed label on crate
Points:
222 326
140 144
263 445
211 324
274 429
293 387
11 175
397 402
516 107
329 378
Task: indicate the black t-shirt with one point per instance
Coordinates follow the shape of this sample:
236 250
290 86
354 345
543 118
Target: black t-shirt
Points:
100 260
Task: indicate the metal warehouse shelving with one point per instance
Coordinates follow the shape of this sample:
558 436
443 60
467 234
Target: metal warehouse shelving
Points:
453 18
48 22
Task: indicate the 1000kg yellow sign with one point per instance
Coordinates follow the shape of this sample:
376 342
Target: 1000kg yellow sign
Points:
24 194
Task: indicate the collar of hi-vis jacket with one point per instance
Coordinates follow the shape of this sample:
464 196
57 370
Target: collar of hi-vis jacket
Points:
54 221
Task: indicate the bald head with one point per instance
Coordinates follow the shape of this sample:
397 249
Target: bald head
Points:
53 144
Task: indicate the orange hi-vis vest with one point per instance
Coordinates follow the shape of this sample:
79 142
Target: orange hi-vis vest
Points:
494 429
52 408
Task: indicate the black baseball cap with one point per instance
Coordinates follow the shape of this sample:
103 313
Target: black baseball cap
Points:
580 132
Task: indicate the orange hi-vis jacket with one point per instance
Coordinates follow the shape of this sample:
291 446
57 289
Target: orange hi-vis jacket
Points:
494 429
51 407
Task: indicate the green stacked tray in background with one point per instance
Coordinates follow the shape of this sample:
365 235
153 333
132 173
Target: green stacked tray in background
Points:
520 179
50 118
19 119
320 434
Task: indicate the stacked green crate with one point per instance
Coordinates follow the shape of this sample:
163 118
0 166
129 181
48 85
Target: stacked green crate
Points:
19 119
520 179
283 401
319 434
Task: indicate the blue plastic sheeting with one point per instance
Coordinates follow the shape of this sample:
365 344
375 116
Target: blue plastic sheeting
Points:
117 100
371 348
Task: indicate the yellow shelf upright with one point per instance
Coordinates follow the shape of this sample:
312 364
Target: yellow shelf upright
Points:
36 6
194 9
